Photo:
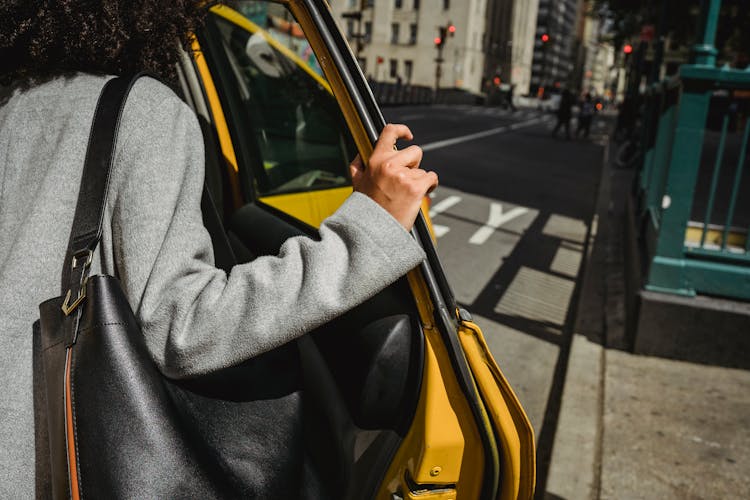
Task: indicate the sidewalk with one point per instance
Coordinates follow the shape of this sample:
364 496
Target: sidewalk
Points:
634 426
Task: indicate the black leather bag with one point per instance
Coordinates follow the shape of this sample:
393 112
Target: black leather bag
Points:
116 427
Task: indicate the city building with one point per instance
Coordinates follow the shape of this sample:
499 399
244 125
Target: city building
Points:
395 40
511 29
598 72
555 45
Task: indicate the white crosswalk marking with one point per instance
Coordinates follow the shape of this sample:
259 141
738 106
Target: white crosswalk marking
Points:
497 218
443 205
470 137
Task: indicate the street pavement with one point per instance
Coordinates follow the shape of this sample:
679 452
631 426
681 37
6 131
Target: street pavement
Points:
512 216
530 232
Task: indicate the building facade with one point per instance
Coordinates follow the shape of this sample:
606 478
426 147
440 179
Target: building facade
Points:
555 44
599 70
511 29
394 40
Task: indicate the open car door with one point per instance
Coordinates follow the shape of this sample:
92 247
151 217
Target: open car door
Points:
400 397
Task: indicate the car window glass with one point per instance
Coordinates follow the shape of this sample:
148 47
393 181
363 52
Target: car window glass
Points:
286 101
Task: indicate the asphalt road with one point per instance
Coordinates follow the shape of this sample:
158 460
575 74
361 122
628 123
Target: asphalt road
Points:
512 215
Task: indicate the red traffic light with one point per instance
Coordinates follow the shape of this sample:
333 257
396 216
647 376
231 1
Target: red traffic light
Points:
437 40
380 60
451 29
545 38
627 48
496 81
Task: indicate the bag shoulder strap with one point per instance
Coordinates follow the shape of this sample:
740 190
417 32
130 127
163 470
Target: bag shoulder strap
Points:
92 198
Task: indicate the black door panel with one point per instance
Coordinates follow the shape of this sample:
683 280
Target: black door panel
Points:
360 373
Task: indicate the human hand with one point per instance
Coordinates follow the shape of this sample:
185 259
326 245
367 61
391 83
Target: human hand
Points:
393 178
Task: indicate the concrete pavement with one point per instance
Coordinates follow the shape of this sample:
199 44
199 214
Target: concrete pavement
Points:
641 427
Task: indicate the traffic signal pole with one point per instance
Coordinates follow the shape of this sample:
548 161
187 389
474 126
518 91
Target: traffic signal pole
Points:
443 33
438 67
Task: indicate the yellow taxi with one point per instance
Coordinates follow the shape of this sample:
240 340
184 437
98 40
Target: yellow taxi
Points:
402 398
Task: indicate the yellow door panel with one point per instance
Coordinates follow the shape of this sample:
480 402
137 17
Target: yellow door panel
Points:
220 122
509 419
310 207
442 494
443 446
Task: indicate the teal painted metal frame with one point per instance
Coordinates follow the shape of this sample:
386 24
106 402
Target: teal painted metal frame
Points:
668 179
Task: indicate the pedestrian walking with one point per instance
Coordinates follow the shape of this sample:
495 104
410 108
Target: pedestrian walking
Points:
585 116
509 98
195 318
564 112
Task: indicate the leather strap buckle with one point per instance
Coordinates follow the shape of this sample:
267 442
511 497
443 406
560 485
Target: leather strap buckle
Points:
69 308
82 258
77 259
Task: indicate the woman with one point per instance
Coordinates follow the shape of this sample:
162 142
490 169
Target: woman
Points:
196 319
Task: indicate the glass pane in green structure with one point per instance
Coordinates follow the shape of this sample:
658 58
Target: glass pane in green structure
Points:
715 178
736 187
722 194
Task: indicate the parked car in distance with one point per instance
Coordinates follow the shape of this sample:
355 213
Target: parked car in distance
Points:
550 103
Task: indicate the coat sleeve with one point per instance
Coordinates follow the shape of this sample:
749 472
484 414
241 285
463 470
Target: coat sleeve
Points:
196 318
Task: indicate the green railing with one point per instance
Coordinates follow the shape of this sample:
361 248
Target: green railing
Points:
693 203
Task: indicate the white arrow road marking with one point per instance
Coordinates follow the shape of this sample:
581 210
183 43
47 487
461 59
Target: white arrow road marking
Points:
440 230
439 208
497 219
442 206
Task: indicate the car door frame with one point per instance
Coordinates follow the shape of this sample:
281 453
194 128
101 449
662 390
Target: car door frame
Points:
483 383
433 294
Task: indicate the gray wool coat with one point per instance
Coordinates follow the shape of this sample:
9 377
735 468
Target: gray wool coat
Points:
195 317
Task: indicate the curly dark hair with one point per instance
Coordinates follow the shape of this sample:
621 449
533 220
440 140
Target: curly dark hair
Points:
44 38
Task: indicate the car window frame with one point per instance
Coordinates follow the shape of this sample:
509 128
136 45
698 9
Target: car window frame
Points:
445 313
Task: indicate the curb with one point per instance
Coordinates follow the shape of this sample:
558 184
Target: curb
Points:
575 467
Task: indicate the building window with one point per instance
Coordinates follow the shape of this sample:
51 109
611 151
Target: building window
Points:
412 34
394 33
368 31
416 4
408 67
399 3
350 28
369 3
352 4
393 68
446 4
